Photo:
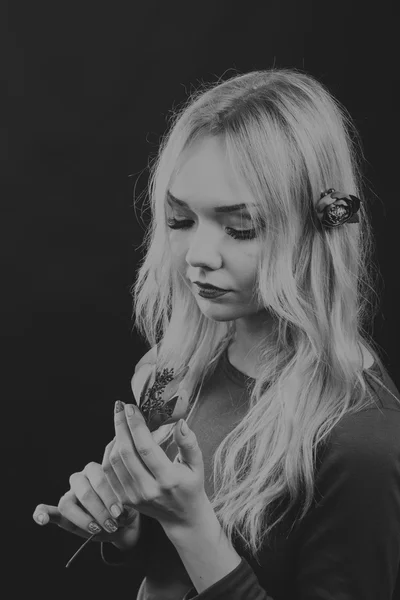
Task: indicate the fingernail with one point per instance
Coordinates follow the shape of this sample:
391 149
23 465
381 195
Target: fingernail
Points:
110 525
130 411
115 511
119 406
94 528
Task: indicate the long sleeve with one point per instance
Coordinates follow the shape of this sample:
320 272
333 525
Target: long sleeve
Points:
240 584
348 545
349 548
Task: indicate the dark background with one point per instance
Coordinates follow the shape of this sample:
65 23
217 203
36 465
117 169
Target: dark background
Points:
88 87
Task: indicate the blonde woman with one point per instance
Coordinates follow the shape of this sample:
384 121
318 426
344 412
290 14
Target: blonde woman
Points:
291 466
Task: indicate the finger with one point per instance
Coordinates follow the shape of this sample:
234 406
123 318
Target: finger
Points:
108 449
129 466
124 445
120 468
107 487
112 475
69 509
95 494
122 433
52 515
150 453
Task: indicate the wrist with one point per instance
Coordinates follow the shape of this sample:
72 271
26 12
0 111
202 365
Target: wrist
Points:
205 518
205 551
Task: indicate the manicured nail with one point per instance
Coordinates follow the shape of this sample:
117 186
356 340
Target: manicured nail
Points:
94 528
115 511
110 525
119 406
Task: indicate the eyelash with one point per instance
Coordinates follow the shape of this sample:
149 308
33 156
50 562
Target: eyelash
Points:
245 234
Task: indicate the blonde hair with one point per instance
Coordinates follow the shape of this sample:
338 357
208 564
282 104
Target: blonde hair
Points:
288 139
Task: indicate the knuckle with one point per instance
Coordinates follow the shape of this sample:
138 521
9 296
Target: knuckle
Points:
167 483
86 496
95 477
125 452
102 484
102 488
124 455
107 468
150 495
114 460
143 450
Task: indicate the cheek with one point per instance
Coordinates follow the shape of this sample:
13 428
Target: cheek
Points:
177 250
243 266
247 284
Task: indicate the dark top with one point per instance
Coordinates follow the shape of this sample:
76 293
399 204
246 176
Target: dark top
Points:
348 545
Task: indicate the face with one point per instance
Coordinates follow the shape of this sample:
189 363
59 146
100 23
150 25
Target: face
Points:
205 250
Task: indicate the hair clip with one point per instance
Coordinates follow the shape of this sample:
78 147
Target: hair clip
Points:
336 208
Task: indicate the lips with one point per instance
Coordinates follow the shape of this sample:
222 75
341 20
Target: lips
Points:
209 287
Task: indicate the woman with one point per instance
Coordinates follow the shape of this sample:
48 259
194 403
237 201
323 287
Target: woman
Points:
294 451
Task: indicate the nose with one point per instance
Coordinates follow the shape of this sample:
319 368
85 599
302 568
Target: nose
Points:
203 252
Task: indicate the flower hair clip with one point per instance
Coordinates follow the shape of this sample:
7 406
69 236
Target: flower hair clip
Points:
336 208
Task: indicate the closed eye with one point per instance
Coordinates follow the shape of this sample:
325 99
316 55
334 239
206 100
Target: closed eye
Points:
242 234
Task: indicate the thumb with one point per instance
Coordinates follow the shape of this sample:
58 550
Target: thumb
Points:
189 449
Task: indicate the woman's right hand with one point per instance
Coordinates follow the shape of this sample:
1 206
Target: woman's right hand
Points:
89 501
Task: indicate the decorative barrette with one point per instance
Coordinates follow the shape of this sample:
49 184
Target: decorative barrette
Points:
336 208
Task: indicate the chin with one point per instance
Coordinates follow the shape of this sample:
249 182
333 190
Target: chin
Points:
219 314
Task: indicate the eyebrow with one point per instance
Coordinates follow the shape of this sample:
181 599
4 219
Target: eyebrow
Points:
218 209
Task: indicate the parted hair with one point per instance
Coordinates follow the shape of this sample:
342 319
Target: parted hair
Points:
288 139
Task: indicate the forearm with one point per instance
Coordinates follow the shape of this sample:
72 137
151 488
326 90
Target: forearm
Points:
206 553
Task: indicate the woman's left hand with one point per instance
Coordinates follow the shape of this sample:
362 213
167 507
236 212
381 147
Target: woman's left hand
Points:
171 492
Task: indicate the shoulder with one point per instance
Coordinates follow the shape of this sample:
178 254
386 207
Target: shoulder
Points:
363 450
374 430
143 370
355 515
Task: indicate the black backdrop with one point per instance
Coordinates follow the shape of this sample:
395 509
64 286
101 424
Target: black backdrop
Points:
88 87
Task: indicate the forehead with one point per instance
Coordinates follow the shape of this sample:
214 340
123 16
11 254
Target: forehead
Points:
204 174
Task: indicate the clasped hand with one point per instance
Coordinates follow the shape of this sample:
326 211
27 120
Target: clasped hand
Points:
171 492
136 475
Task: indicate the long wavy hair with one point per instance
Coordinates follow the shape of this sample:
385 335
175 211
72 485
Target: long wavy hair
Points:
288 139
